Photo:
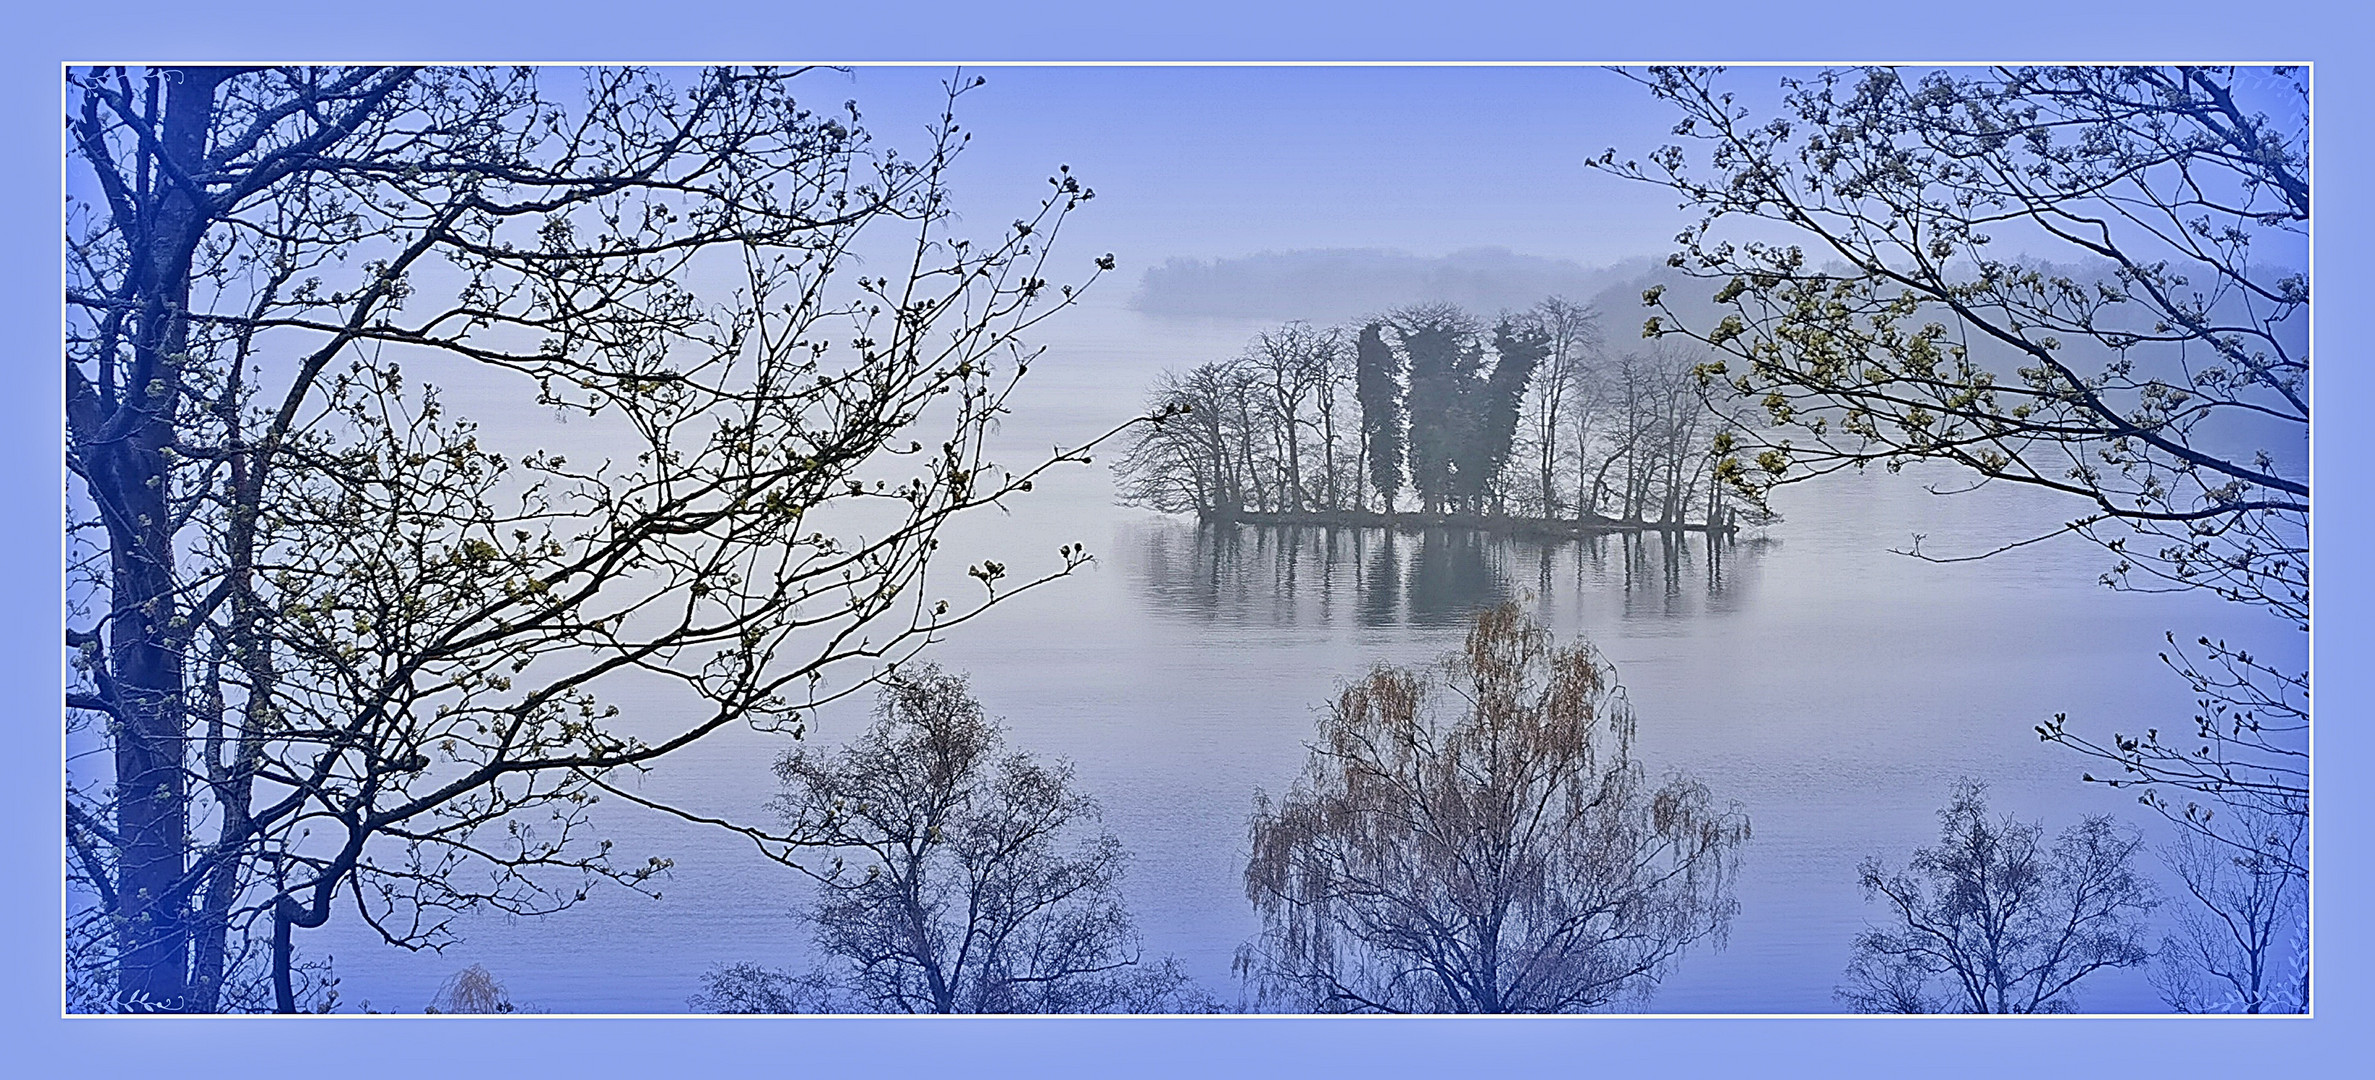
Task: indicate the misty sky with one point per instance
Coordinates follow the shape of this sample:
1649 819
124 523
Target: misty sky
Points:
1218 162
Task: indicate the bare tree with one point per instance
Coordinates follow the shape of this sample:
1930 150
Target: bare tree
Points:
1510 857
1992 920
1181 462
1653 454
961 880
1562 394
2244 945
1681 449
1241 434
749 989
1295 366
334 644
473 989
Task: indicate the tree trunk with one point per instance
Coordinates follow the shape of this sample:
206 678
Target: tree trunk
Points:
130 479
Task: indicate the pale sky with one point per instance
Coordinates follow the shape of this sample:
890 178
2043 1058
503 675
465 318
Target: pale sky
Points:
1217 162
1214 162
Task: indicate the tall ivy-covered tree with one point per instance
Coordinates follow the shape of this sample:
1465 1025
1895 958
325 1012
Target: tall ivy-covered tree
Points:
1445 363
1518 350
1463 415
336 646
1377 384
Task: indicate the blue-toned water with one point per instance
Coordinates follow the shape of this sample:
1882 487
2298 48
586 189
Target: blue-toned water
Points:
1831 688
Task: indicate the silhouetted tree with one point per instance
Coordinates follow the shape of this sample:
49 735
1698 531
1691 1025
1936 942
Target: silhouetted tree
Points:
1294 367
1340 464
747 988
1463 417
1445 363
1518 349
1562 399
2243 946
1478 838
1184 460
2158 376
963 880
331 643
1992 920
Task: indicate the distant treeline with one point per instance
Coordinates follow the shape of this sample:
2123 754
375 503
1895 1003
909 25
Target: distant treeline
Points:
1429 408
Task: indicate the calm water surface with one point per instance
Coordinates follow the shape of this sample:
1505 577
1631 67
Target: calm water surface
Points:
1832 689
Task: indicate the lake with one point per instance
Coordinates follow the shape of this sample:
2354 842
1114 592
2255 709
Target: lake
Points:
1831 688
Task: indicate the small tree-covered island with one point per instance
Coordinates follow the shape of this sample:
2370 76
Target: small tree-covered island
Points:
1524 425
603 540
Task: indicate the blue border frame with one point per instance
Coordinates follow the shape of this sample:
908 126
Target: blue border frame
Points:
596 30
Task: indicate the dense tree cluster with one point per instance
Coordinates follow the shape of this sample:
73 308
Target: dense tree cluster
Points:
1527 416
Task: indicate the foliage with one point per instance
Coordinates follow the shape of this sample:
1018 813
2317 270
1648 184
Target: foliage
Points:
2161 377
2159 180
962 880
1377 382
1519 347
1462 415
2090 280
1992 920
332 643
1446 367
1510 858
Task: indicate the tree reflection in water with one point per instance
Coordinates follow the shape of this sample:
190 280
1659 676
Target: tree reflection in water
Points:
1280 575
